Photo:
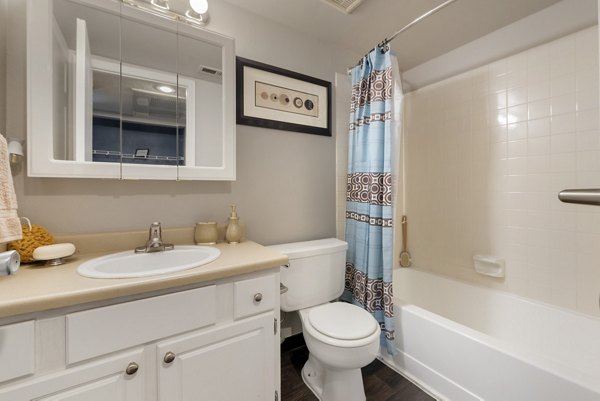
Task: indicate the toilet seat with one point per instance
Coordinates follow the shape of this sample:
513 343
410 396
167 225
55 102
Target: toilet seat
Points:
337 342
342 321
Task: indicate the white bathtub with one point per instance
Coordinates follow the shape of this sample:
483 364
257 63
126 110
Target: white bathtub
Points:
463 342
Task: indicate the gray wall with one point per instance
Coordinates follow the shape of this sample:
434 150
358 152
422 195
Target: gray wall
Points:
285 190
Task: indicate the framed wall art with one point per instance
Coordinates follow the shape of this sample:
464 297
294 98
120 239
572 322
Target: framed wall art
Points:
271 97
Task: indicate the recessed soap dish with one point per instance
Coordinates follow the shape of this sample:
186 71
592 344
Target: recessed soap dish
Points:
489 265
54 255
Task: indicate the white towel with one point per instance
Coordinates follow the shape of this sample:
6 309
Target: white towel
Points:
10 225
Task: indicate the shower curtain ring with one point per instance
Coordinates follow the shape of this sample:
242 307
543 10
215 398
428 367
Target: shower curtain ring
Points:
384 46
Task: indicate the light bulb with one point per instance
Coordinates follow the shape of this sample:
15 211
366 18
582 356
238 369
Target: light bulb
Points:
165 88
199 6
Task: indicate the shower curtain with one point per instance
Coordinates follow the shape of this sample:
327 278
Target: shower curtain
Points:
374 121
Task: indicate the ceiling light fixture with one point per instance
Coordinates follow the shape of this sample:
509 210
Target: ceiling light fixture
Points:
162 4
162 8
199 6
198 11
154 94
165 88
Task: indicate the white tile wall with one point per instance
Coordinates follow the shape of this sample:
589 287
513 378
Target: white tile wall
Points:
487 153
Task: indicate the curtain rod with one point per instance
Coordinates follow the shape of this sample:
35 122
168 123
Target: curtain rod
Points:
384 44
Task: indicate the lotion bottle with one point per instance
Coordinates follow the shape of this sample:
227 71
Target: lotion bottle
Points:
233 235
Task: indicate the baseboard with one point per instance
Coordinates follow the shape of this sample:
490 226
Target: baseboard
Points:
437 386
386 360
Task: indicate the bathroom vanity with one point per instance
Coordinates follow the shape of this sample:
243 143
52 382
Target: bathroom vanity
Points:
209 333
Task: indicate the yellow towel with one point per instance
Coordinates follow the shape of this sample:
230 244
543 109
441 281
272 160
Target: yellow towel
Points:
10 225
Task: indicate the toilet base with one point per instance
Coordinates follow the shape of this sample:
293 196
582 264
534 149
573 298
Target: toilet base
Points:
333 384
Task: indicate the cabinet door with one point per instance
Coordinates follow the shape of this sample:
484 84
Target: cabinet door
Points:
104 380
232 362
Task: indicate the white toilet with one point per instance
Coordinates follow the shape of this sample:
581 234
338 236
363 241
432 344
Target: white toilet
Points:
341 338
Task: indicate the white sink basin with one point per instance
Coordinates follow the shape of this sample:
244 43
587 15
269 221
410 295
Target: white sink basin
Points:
129 264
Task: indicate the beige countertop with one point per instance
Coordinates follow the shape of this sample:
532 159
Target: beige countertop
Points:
36 288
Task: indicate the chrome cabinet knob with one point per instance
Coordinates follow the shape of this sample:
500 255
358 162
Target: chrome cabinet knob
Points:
132 368
169 357
258 297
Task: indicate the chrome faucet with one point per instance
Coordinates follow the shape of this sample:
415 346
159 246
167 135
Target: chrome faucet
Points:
154 243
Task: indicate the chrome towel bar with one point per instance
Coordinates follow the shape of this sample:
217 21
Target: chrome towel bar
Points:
581 196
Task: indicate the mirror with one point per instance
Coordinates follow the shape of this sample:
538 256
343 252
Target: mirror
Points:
129 94
153 122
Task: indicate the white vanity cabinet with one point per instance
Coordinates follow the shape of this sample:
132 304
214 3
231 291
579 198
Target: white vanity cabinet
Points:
17 346
117 378
234 362
238 360
217 342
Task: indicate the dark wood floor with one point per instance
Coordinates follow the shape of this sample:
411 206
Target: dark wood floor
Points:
381 382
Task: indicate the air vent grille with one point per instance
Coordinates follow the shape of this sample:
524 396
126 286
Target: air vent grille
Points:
210 71
346 6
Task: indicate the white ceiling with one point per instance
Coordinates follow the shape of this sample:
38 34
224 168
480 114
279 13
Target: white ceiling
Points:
455 25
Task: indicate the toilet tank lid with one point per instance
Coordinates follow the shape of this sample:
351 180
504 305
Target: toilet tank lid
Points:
305 249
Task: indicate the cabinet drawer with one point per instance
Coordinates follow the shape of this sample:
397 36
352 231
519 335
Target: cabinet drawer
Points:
104 379
100 331
16 350
253 296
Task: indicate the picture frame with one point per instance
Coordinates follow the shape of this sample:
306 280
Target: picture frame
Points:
275 98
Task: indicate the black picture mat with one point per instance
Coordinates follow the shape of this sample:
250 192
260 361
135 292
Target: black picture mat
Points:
242 119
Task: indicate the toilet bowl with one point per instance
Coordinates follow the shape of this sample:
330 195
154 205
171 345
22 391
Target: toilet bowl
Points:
341 338
332 371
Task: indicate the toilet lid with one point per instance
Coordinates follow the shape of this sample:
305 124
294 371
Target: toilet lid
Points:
342 321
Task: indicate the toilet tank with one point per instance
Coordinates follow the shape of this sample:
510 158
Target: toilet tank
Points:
315 274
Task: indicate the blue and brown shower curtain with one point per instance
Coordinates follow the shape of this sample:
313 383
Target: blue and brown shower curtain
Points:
369 230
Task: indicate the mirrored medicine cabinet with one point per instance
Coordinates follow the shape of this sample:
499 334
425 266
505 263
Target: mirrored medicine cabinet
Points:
118 92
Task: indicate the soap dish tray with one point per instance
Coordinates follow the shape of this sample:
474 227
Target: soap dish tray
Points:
54 255
489 265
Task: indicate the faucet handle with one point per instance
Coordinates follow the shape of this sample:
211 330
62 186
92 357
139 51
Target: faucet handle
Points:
154 243
155 231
